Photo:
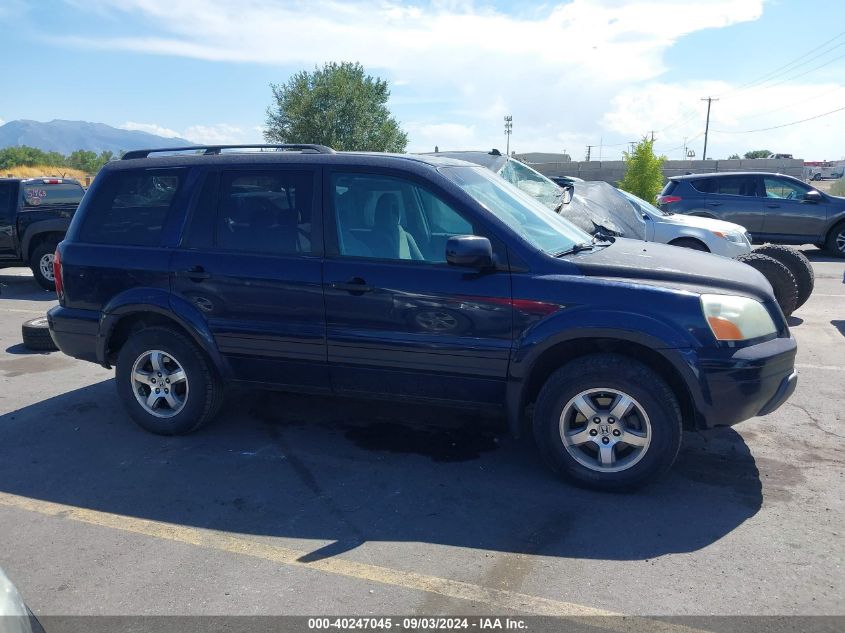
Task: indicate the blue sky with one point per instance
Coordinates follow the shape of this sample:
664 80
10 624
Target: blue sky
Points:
571 73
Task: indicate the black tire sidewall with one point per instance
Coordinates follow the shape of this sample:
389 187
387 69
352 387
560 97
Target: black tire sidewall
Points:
34 261
798 265
627 376
830 243
779 277
193 363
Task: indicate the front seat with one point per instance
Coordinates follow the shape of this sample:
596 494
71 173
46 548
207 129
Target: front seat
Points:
389 239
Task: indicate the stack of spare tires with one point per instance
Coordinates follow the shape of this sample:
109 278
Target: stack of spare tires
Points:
788 270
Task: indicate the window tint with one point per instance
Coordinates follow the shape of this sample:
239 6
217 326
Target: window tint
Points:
6 198
392 218
780 188
735 185
131 207
38 194
703 185
266 211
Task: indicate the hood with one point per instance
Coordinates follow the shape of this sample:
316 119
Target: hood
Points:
709 224
681 268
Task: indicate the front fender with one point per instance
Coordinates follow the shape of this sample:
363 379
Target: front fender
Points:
672 342
157 301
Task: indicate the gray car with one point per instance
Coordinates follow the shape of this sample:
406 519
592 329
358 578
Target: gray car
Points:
772 207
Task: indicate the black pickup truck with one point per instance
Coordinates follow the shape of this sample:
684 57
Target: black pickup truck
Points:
34 216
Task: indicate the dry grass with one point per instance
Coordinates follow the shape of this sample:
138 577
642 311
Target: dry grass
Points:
44 170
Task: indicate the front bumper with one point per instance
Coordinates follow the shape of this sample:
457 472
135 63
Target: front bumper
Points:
733 385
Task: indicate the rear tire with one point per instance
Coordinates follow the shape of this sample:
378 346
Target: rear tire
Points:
145 366
781 279
798 265
41 264
835 242
652 422
36 335
693 244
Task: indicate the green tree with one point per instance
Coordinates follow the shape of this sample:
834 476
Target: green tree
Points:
758 153
733 157
337 105
644 173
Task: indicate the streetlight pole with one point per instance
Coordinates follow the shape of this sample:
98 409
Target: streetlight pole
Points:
707 125
508 130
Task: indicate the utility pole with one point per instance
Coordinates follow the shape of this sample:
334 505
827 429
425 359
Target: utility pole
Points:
508 130
707 125
685 148
652 136
589 147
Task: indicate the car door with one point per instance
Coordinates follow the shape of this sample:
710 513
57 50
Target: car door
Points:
788 216
734 198
8 209
250 264
400 320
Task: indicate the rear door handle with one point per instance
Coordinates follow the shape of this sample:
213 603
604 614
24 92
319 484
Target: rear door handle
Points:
773 206
714 204
355 286
195 273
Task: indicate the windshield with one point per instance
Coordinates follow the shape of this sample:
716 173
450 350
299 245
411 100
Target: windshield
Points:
532 182
523 214
645 207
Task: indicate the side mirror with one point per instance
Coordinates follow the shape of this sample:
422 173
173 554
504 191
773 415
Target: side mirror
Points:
813 196
469 250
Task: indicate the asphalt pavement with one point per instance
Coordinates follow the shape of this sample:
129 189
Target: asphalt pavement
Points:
308 505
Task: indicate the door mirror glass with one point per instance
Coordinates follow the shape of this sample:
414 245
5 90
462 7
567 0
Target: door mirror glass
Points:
813 196
469 250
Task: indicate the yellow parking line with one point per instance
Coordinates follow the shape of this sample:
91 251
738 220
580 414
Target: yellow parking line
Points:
500 599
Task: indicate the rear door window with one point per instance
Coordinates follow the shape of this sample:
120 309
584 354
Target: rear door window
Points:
266 212
132 207
40 194
7 197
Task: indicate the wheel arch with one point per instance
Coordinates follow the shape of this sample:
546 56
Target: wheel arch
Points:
39 232
523 395
121 319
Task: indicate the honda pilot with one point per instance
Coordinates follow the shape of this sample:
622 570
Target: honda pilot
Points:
418 278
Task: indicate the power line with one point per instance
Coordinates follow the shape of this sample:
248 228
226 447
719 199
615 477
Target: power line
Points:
786 67
827 63
776 127
794 103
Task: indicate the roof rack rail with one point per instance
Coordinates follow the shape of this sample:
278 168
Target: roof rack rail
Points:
208 150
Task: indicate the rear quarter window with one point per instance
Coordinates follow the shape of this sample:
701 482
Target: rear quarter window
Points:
38 194
703 185
131 208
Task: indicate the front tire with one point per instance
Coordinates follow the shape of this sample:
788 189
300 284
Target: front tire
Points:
608 422
835 242
41 264
166 383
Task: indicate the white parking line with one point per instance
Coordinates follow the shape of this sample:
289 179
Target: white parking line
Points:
828 367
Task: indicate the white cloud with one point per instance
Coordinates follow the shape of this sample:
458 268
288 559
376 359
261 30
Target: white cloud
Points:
2 122
568 73
221 134
151 128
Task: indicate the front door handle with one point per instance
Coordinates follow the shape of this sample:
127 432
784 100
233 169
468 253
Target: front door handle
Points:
714 204
195 273
773 206
355 286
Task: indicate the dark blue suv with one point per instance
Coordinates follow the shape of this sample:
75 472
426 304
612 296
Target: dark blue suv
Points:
412 277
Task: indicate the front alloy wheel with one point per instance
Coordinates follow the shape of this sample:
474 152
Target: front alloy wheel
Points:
605 430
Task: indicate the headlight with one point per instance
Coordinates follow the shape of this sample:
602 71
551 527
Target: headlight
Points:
736 318
736 238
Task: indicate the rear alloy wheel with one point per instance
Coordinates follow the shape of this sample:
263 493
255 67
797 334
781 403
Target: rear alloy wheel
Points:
41 264
798 265
166 383
835 243
607 422
779 276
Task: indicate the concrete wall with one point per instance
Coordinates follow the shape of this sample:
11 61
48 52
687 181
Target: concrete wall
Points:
614 171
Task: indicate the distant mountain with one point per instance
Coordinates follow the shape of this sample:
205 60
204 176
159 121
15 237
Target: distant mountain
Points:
68 136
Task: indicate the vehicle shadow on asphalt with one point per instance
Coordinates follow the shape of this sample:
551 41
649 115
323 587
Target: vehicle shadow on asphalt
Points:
23 288
349 472
839 325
